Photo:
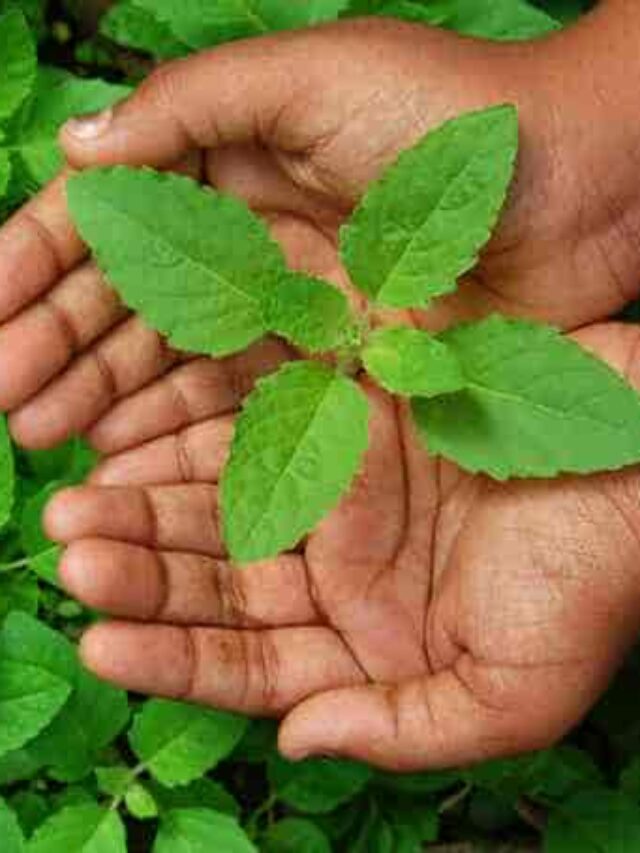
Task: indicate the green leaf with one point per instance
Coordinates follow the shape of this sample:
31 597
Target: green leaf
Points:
30 697
113 781
201 831
552 774
295 835
200 24
413 363
10 831
18 591
132 26
7 474
81 829
193 262
279 15
179 742
94 713
17 61
536 404
33 11
502 20
596 821
36 666
421 226
31 810
308 312
140 803
18 766
297 447
203 793
630 780
43 553
317 785
5 169
93 717
33 134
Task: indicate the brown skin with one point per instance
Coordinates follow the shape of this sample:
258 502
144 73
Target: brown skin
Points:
436 618
433 619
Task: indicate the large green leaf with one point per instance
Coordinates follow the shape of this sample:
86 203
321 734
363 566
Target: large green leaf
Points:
297 447
194 263
536 404
11 837
180 742
317 785
201 831
421 226
17 62
80 829
504 20
594 821
412 363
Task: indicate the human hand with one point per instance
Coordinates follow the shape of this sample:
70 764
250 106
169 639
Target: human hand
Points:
433 619
298 124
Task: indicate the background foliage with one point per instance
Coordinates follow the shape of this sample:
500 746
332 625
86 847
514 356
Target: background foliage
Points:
85 767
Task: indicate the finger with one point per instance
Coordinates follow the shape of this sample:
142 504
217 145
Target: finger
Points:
195 454
229 95
190 393
40 341
173 518
132 582
453 718
252 672
37 246
116 366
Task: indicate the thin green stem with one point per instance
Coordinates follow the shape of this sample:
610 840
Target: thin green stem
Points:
24 562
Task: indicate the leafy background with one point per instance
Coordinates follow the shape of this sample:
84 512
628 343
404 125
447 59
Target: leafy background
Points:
86 767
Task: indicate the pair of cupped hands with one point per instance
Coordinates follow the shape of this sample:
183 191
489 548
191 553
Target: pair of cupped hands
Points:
435 618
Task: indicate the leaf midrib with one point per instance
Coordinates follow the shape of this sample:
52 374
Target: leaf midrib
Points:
434 209
304 432
194 262
547 410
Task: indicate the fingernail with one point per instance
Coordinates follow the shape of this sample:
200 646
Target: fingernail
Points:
90 126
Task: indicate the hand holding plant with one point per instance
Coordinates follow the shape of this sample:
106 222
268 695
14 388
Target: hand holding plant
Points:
410 606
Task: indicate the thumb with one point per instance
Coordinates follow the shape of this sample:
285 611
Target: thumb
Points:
431 723
232 94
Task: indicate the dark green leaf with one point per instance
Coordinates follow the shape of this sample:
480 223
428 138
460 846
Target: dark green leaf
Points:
317 785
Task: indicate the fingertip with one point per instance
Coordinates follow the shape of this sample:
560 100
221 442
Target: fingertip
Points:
62 515
96 650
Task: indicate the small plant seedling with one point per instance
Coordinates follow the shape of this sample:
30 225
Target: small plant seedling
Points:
504 397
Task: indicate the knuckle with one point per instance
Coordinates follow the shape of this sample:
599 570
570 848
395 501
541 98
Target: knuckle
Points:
262 672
